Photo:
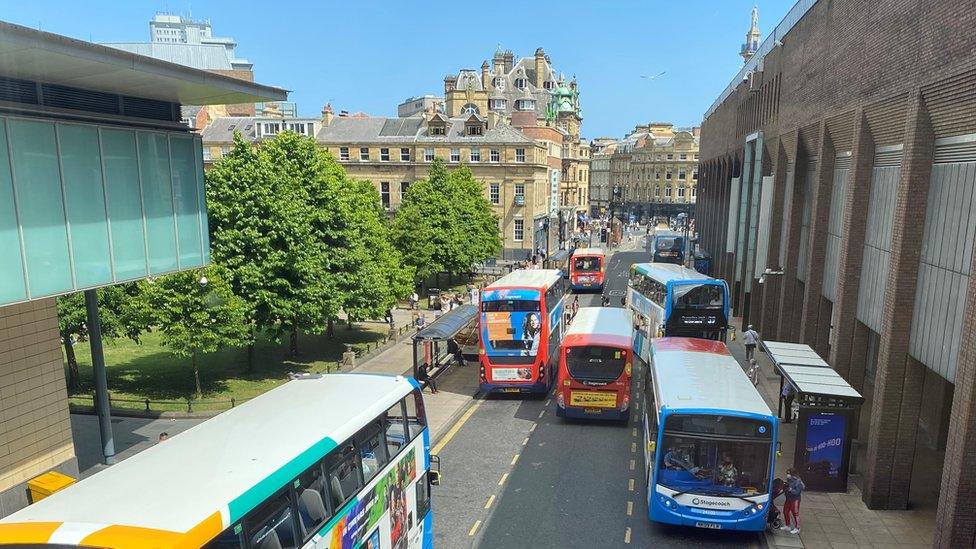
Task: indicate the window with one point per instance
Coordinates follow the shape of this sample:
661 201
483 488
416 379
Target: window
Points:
694 174
474 129
313 497
657 157
525 104
668 174
416 419
683 156
519 230
682 174
273 524
372 450
396 429
455 155
494 193
423 497
405 154
520 83
667 191
384 155
696 156
343 153
364 153
657 174
470 108
498 104
476 154
681 192
404 186
270 128
297 127
657 192
520 189
520 155
670 156
694 192
438 130
343 474
548 84
429 154
385 194
495 155
499 83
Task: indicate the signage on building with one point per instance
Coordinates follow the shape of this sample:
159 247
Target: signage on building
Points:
553 192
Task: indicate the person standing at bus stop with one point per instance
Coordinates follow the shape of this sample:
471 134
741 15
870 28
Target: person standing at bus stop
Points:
791 509
750 338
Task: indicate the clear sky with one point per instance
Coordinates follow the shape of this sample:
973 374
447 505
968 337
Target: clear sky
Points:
366 55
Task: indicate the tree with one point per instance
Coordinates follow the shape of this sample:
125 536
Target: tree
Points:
196 315
120 315
481 239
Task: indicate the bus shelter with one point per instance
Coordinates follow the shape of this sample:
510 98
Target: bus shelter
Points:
827 419
438 343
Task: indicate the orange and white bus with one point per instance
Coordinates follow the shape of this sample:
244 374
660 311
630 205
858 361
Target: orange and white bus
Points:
595 365
587 268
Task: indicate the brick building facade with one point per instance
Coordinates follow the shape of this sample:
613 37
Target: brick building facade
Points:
836 194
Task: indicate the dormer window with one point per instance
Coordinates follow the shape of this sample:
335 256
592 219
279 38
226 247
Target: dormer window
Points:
438 130
498 104
473 129
548 84
520 83
498 83
525 104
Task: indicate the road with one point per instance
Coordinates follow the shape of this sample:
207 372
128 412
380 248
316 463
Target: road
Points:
517 476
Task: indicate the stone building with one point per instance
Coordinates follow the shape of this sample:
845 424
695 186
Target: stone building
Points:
836 194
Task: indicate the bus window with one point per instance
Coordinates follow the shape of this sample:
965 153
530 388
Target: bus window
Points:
586 264
697 296
416 420
272 525
231 538
396 429
595 364
372 450
423 497
313 499
343 472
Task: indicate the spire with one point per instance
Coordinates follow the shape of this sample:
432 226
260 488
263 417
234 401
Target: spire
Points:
752 37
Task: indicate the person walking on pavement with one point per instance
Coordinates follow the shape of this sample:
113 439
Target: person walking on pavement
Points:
750 338
389 317
423 376
791 509
787 396
605 301
421 322
753 371
414 300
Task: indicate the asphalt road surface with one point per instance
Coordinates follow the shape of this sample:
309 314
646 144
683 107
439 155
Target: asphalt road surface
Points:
516 476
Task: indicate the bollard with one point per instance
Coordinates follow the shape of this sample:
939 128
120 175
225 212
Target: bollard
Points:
147 404
189 405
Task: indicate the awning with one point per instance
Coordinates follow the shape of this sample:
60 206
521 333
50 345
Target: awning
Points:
35 55
816 383
448 325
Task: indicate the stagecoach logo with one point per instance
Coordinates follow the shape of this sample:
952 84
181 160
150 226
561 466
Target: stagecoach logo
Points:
710 502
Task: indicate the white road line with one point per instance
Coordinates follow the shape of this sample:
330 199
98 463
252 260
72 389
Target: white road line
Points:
548 402
531 429
633 464
525 441
542 413
630 485
633 432
503 479
630 508
514 459
633 447
627 535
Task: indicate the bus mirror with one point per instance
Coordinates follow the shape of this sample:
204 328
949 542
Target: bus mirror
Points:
435 478
434 474
779 448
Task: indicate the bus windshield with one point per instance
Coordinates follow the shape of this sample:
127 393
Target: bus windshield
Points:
697 296
597 364
715 455
587 264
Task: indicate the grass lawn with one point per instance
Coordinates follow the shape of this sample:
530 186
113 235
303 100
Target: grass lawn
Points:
147 370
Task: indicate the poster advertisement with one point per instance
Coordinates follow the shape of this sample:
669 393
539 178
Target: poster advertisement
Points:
825 444
390 493
512 332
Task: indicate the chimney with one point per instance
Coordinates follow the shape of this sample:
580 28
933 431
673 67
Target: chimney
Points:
540 67
485 78
327 115
450 82
509 58
492 119
498 63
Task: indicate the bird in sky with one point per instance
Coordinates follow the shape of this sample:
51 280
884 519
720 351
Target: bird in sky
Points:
654 77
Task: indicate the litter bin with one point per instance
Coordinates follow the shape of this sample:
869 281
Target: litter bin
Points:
44 485
703 263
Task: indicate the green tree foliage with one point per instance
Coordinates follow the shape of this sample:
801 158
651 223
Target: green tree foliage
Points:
121 314
197 318
445 223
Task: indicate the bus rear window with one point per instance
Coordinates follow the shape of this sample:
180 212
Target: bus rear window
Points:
586 264
697 296
595 364
509 305
667 243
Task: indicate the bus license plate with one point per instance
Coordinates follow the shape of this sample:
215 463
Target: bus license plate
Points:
511 390
592 411
709 525
593 399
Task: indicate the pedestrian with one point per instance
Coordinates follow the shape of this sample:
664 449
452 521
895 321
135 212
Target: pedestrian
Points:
459 356
163 436
750 338
423 376
791 509
623 302
389 316
753 371
605 301
788 394
414 300
575 305
421 321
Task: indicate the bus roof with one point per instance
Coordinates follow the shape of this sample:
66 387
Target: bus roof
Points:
600 326
701 374
664 272
589 251
528 278
211 475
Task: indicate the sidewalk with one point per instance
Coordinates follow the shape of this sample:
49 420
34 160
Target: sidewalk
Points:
835 520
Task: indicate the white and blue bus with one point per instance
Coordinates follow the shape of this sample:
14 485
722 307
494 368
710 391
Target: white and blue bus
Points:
336 461
709 438
675 301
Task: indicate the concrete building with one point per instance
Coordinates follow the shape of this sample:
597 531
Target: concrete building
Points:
601 150
836 194
100 184
415 106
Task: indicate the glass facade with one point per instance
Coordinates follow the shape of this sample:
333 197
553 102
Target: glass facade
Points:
84 205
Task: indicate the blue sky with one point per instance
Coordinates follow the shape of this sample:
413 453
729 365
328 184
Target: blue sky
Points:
370 55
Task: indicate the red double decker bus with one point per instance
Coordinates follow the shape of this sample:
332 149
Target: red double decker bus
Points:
521 327
587 268
595 365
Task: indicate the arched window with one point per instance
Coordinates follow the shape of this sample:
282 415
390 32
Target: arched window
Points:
470 108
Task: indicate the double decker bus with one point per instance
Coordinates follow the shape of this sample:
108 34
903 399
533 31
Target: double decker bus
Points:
587 268
521 327
669 248
672 300
595 365
709 449
337 461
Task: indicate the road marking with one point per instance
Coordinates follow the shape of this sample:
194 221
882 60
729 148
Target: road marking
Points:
633 463
542 413
637 406
633 447
514 459
491 499
477 523
531 429
633 432
630 485
626 535
548 401
504 478
457 427
525 441
630 508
